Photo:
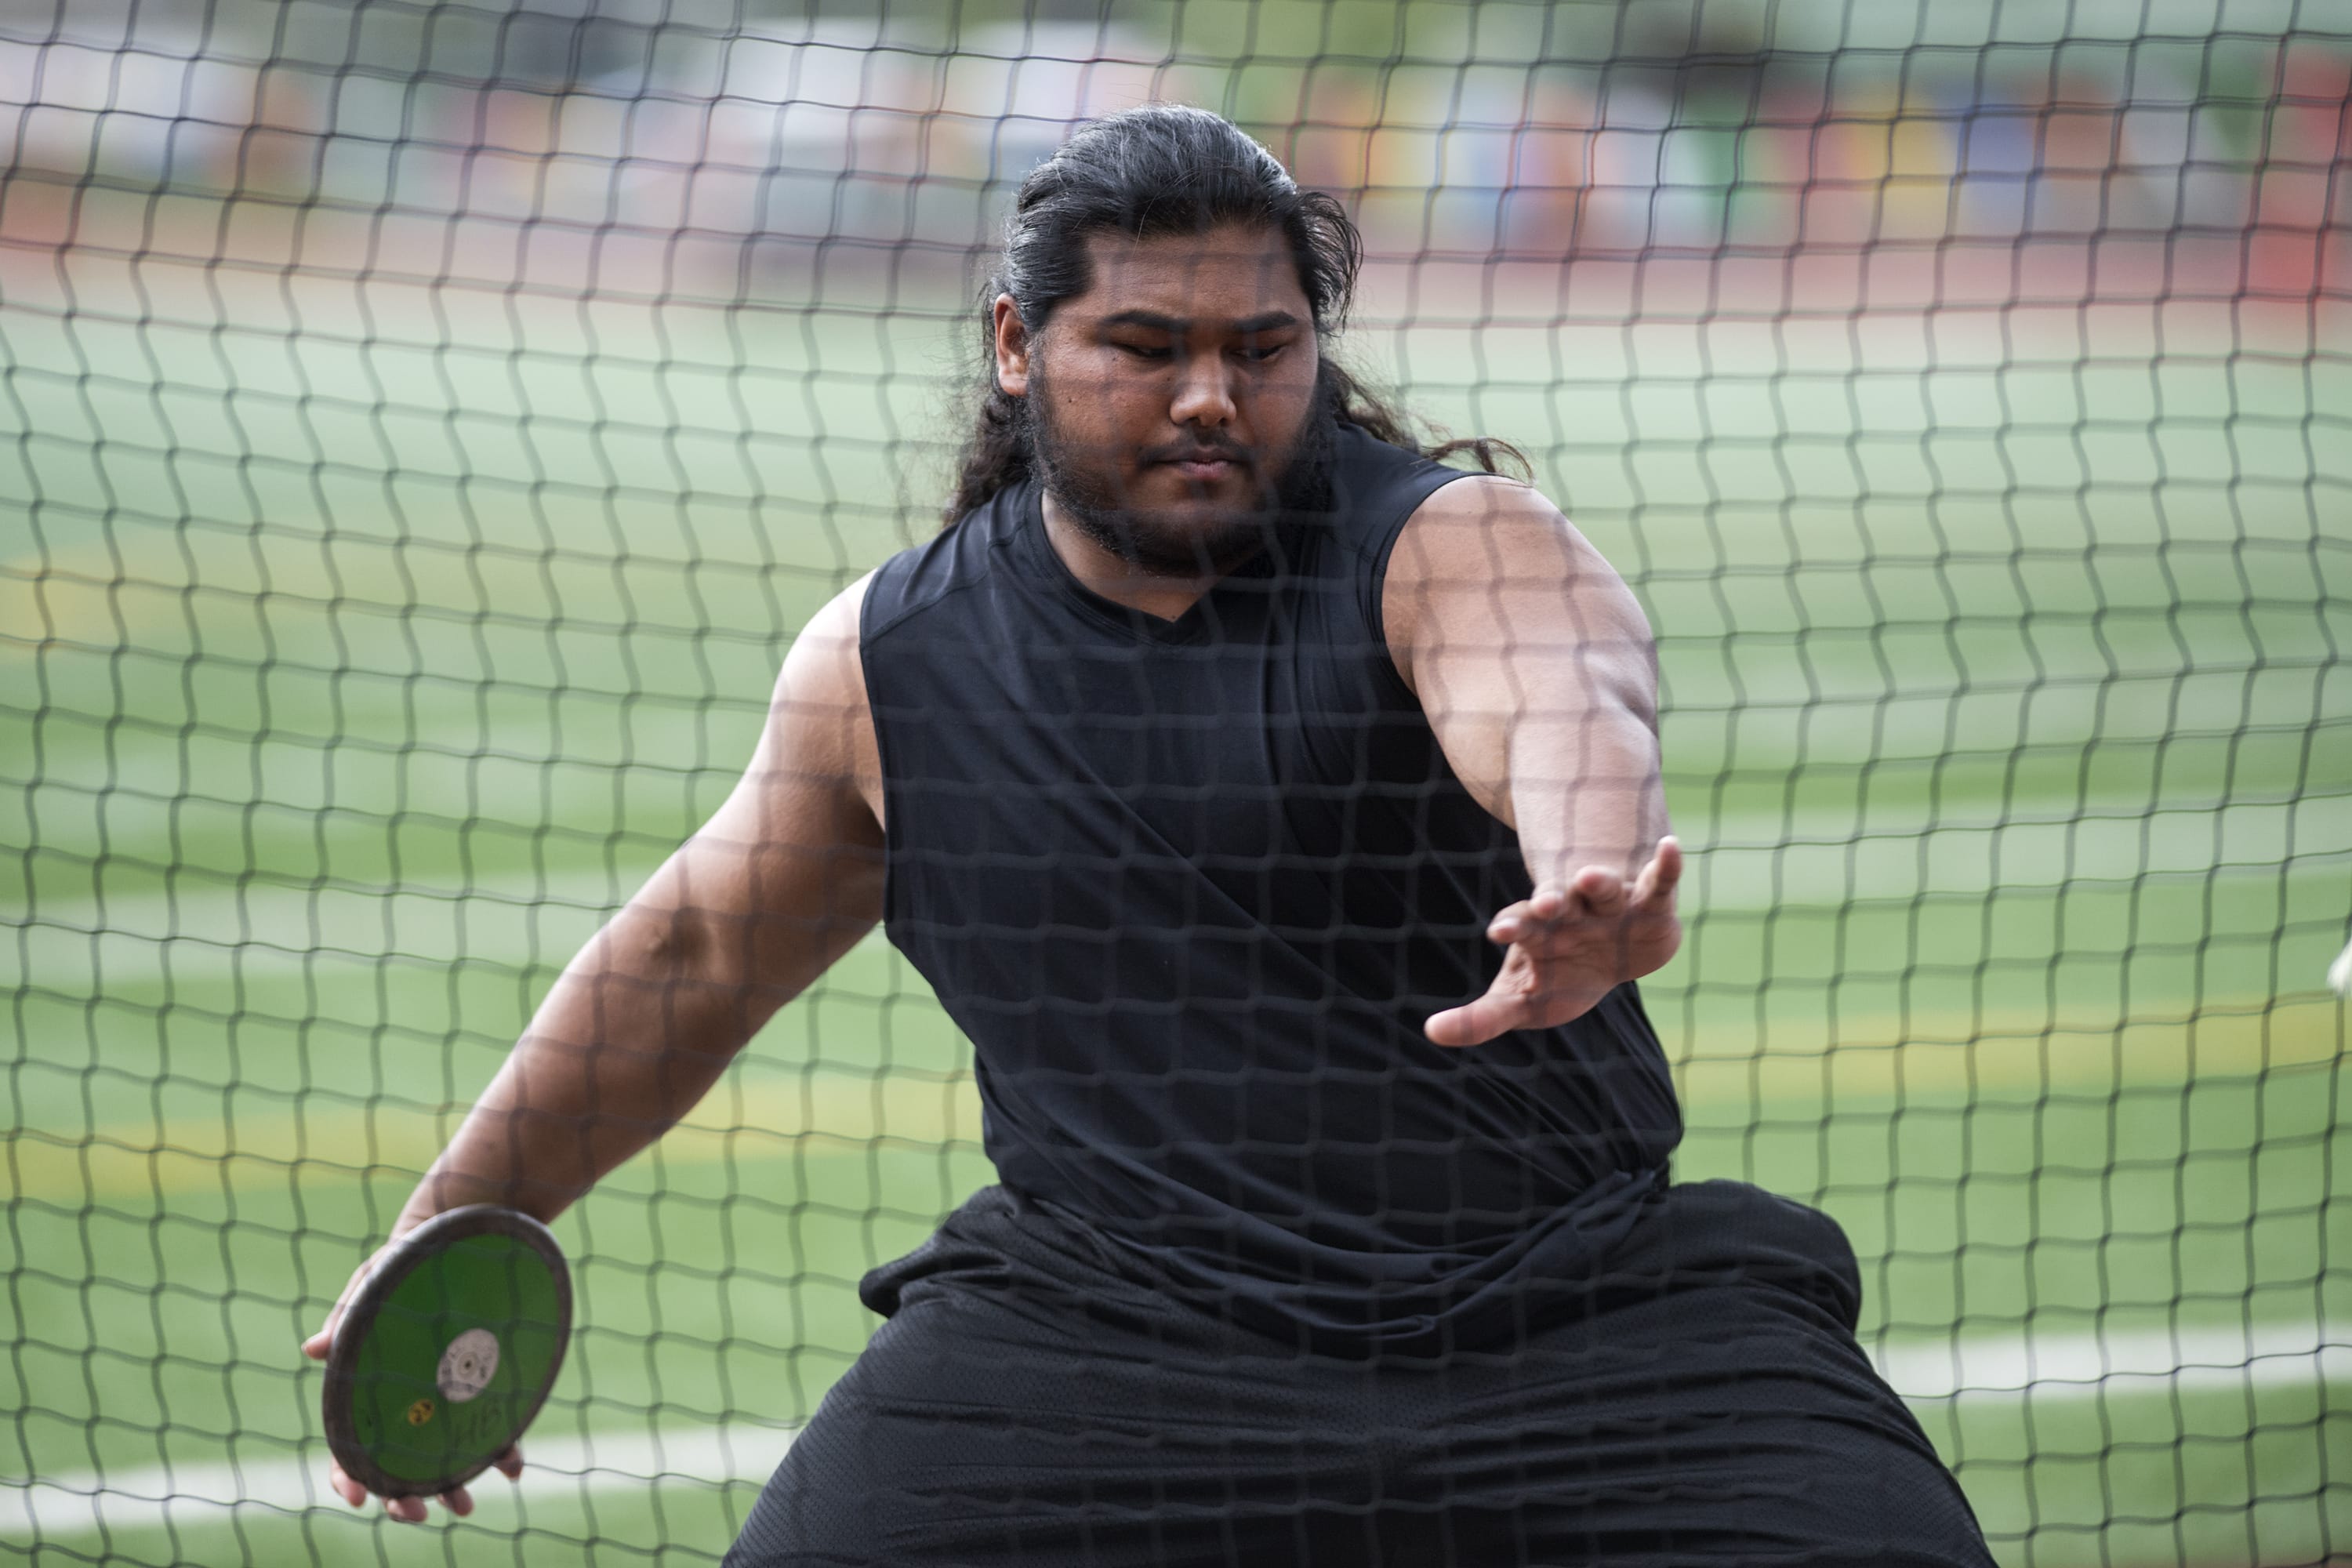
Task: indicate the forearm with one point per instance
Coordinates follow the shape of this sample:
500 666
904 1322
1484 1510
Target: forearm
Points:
1537 671
1586 790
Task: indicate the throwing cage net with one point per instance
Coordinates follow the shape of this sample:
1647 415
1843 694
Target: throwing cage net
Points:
428 425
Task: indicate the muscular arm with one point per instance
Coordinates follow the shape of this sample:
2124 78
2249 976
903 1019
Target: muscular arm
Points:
1537 672
782 880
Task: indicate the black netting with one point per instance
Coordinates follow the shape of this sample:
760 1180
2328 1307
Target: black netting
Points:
427 426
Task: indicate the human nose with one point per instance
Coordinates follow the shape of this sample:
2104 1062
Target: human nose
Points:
1204 396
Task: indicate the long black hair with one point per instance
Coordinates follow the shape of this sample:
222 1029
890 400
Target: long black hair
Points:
1166 169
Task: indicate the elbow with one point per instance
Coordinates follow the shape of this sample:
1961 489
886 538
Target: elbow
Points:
671 981
1635 689
661 946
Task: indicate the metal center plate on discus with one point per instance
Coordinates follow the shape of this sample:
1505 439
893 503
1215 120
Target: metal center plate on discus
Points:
446 1351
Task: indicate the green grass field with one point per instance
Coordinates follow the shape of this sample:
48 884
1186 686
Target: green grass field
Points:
360 646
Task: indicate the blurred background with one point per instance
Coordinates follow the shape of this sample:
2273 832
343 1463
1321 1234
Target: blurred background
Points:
428 425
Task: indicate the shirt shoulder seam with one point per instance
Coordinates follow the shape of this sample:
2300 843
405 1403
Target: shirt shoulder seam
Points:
905 613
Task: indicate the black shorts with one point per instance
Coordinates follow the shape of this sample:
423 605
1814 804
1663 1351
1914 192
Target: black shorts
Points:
1703 1402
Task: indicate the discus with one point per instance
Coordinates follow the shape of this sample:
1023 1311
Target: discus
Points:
446 1351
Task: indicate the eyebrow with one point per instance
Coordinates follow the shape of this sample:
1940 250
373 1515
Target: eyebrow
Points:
1177 326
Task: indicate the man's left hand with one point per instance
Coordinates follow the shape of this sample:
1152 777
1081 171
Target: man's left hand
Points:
1570 944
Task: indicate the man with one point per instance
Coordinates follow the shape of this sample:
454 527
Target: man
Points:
1278 811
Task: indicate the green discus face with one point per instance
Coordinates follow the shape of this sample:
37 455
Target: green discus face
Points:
448 1352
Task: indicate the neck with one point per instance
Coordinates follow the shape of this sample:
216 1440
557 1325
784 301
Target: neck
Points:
1115 578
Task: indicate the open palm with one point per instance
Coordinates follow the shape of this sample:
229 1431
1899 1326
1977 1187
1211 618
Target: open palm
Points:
1570 944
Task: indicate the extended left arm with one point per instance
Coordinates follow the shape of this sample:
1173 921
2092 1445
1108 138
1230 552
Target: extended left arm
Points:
1537 672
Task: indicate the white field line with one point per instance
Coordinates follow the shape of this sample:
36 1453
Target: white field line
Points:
195 1495
1976 1368
2056 1366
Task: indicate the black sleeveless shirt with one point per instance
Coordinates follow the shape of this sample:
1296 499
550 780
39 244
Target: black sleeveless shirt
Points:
1191 888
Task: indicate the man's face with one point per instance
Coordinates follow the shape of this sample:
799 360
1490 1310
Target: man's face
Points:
1170 402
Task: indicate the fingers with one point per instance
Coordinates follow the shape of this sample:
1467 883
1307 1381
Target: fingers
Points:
1600 891
319 1345
1594 891
1658 878
1514 922
1511 1005
1548 901
1474 1023
458 1500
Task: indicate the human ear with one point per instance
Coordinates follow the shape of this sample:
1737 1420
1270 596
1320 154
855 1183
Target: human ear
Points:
1012 347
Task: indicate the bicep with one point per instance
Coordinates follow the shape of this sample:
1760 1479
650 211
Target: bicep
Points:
786 875
1527 652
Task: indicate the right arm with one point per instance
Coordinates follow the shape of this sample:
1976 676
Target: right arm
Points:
784 879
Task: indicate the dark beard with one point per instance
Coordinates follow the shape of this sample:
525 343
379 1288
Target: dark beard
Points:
1092 504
